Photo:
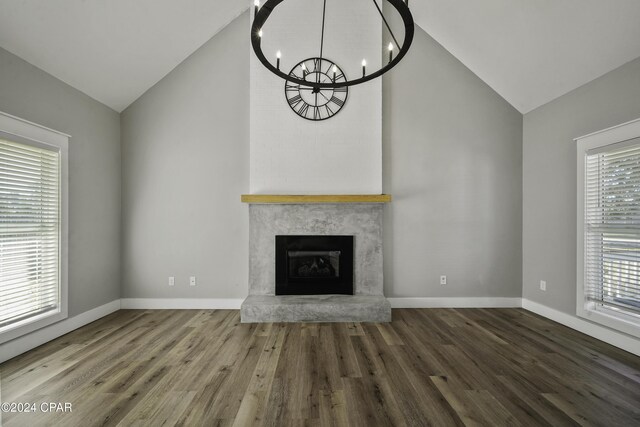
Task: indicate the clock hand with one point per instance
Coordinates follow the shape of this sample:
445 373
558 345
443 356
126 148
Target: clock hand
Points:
323 96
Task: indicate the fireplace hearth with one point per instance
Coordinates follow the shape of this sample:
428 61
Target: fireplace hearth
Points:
314 265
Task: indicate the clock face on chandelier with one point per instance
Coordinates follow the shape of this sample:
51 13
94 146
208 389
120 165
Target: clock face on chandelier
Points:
316 103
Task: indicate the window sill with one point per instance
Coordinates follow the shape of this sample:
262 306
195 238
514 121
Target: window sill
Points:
620 322
32 324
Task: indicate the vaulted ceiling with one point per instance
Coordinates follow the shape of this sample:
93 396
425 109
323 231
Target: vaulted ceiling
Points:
529 51
533 51
112 50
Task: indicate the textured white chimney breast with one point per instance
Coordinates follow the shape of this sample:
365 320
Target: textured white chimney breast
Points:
341 155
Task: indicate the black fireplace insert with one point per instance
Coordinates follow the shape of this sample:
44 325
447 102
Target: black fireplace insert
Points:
314 265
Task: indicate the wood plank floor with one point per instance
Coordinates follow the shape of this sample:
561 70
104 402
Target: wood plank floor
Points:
496 367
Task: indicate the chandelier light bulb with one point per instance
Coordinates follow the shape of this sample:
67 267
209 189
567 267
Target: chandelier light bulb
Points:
278 54
390 46
390 52
364 67
260 33
256 3
335 69
364 62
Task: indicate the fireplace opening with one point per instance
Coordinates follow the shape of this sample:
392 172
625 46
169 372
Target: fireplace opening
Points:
314 265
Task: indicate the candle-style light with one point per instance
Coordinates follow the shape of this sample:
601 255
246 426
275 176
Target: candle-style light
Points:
256 4
278 55
332 76
335 69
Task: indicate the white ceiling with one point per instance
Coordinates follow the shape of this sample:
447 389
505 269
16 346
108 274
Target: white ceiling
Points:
533 51
529 51
112 50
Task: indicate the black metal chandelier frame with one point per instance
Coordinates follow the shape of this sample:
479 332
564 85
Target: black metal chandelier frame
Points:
263 13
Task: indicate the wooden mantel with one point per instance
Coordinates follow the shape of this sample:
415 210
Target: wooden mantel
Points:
319 198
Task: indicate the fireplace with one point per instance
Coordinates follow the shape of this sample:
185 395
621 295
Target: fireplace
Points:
314 265
285 231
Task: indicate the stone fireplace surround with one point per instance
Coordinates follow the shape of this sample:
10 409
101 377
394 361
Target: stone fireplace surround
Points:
363 220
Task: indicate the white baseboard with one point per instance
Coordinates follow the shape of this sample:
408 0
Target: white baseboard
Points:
11 349
182 303
32 340
617 339
454 302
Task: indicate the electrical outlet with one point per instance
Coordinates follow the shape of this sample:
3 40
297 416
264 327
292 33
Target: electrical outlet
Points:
443 280
172 281
192 281
543 285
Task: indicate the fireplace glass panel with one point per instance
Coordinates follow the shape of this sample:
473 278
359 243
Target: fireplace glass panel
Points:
308 265
311 264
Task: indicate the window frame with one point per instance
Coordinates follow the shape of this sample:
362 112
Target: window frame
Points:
627 323
23 131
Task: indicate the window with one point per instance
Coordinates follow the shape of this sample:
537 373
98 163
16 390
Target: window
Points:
609 227
32 227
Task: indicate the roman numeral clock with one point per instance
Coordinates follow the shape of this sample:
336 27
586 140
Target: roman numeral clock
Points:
315 102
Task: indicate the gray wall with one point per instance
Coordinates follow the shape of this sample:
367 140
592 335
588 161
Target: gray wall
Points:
185 146
549 178
94 174
452 159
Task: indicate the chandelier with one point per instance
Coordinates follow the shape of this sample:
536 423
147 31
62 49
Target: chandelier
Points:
335 79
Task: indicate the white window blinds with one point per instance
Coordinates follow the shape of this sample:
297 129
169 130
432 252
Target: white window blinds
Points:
29 232
612 227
